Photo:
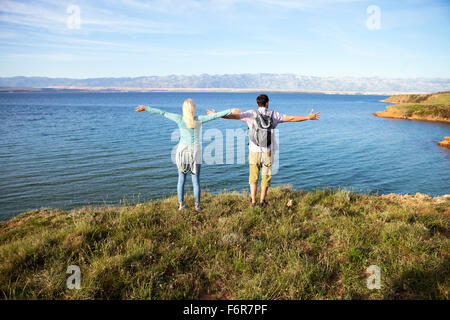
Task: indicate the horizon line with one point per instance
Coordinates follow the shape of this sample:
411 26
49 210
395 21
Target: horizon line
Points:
74 89
226 74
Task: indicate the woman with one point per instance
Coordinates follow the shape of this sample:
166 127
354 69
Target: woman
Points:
188 156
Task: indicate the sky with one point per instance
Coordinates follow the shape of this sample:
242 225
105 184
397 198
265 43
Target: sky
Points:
130 38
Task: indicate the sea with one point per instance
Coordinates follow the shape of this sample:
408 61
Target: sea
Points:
71 149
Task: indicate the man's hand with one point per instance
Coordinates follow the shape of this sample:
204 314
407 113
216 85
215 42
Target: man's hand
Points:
140 108
314 116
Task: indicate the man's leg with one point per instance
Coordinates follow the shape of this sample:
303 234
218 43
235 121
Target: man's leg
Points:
254 164
266 175
263 193
253 188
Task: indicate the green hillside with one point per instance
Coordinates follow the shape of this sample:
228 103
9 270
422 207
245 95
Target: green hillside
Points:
304 245
431 107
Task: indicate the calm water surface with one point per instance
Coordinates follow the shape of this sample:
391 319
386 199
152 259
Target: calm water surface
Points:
70 149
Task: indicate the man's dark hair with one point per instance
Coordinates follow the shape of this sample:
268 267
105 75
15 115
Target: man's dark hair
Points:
262 100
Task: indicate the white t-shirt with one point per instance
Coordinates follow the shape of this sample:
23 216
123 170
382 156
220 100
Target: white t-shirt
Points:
277 117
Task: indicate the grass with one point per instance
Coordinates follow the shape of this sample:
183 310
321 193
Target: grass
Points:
430 98
434 110
304 245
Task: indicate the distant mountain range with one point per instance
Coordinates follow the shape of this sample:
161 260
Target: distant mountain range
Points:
265 81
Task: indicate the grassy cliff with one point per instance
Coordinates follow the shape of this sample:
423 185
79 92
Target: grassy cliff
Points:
428 107
304 245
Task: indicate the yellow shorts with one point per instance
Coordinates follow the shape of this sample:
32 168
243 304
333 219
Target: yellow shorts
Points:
260 161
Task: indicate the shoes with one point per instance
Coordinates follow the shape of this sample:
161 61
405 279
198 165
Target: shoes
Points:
261 204
183 206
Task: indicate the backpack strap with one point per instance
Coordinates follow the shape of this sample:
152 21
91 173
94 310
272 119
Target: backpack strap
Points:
266 121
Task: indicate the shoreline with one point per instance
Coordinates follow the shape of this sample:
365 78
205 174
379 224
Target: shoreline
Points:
432 107
389 115
212 90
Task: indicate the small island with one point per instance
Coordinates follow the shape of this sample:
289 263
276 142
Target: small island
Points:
425 107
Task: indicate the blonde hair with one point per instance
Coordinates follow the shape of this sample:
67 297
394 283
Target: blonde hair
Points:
189 113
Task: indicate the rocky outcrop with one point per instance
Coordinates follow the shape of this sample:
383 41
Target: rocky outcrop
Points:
424 107
419 200
445 143
392 113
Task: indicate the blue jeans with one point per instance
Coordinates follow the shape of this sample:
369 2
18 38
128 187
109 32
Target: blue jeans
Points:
195 184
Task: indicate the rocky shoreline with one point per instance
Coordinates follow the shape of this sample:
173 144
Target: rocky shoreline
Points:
392 113
390 116
423 107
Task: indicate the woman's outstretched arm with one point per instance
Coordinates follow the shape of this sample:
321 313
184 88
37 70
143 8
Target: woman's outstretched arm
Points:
209 117
171 116
214 115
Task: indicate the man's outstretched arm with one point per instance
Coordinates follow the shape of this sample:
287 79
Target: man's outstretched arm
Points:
311 116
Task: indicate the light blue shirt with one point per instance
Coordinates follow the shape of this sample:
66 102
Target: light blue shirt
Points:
189 135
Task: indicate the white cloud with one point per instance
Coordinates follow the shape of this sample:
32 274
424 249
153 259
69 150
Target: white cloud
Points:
31 15
47 56
181 6
52 15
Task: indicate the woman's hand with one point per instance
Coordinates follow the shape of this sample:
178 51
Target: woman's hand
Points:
140 108
314 116
236 111
212 111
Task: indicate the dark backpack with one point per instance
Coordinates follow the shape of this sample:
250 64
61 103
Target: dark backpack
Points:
260 130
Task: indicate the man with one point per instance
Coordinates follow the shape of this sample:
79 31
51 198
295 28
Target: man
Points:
262 144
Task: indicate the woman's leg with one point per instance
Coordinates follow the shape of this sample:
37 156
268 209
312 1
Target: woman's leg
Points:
196 185
180 187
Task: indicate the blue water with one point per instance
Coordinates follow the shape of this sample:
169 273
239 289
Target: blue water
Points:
70 149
